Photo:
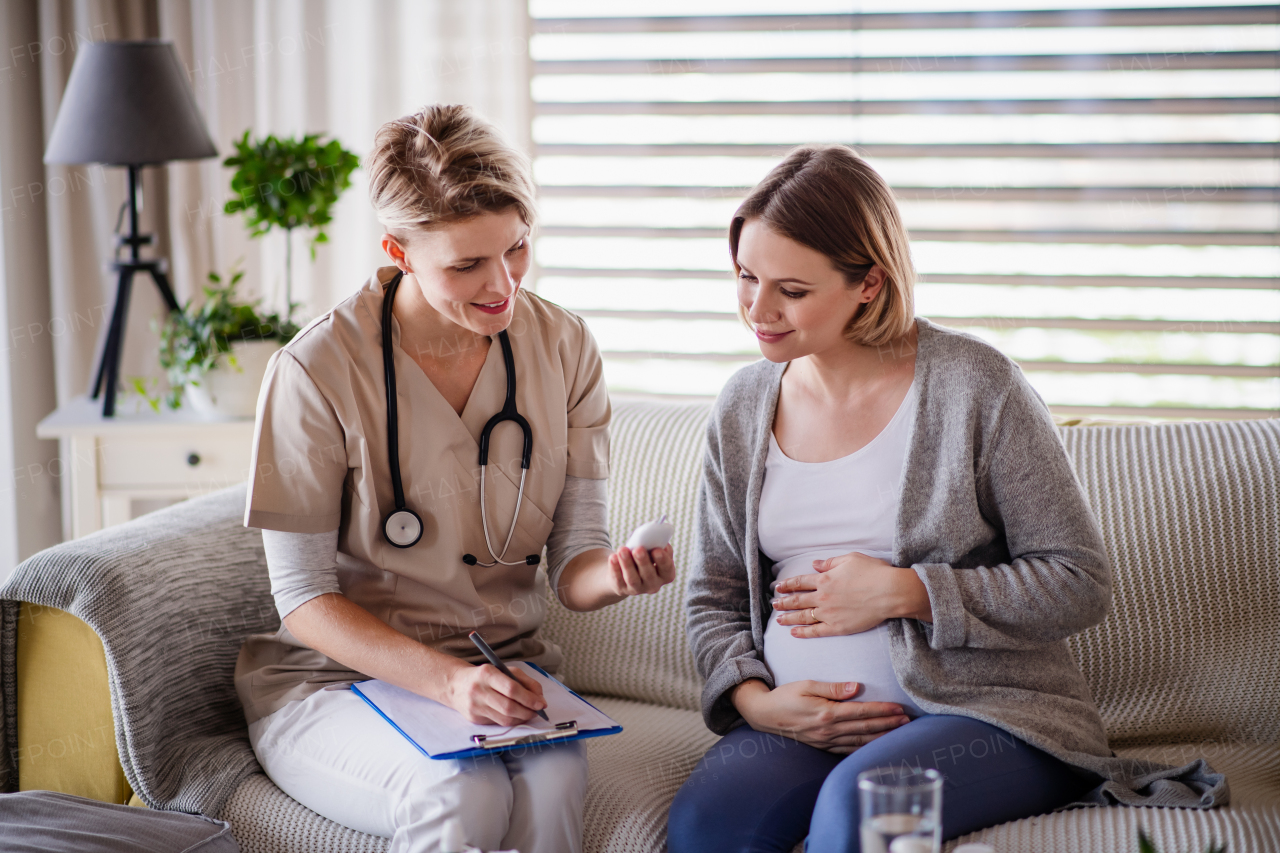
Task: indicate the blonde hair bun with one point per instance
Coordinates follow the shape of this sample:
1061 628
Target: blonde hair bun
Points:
443 164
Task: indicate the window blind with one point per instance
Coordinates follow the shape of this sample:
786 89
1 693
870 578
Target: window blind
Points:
1092 190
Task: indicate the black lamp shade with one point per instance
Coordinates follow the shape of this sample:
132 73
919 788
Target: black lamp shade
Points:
127 103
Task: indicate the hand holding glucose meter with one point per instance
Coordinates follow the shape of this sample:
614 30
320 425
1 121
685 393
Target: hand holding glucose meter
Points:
655 534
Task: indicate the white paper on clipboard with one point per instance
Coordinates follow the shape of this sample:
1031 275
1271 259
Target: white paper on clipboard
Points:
439 730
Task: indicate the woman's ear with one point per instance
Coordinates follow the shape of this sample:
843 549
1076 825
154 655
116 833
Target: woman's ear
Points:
395 251
872 284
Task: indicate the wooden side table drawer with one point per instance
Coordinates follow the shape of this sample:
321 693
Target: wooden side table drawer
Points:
202 462
136 462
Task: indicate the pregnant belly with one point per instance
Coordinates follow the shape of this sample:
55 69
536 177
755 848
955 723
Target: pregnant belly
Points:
863 657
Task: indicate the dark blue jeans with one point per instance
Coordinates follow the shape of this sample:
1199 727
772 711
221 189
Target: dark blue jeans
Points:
758 792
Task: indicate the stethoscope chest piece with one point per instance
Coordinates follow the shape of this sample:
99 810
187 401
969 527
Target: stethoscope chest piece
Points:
403 528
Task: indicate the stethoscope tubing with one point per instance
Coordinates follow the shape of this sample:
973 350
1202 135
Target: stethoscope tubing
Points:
484 522
509 412
389 371
393 432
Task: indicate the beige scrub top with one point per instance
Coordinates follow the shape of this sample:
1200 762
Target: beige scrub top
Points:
320 462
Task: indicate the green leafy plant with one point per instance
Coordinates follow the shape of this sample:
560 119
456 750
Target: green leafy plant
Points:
194 341
1145 845
289 183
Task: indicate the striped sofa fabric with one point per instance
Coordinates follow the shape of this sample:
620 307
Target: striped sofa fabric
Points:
1186 665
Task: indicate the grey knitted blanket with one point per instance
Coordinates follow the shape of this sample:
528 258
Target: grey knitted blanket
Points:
178 589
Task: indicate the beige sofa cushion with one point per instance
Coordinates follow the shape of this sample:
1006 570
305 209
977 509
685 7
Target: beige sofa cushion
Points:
635 775
1185 666
1191 516
265 819
1251 824
637 648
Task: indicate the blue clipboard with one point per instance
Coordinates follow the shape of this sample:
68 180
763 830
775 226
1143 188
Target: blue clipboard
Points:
430 725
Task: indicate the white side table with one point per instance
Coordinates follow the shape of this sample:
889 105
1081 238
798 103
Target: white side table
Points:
113 462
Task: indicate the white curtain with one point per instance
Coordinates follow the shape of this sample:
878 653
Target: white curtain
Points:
30 518
286 67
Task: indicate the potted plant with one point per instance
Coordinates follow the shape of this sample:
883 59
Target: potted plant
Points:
289 183
216 355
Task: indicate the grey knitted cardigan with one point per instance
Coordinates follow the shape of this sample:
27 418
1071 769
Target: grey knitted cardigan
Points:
996 526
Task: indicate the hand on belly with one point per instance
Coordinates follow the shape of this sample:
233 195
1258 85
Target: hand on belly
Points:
847 594
862 658
817 714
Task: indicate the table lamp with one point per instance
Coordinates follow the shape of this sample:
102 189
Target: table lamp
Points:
127 103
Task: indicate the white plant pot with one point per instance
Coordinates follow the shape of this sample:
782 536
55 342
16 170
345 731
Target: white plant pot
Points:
230 393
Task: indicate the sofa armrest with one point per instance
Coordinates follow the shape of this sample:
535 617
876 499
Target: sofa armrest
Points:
66 740
172 596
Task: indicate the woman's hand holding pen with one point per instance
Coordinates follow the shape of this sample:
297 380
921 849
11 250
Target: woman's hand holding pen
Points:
338 627
484 695
849 594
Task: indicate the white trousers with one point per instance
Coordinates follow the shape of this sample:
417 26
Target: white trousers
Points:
335 755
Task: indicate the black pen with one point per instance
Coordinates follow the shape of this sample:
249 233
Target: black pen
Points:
497 662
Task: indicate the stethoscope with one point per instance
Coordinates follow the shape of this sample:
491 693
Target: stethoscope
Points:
403 527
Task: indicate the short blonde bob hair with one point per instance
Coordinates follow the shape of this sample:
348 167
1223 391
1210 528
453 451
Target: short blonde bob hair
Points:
829 199
441 165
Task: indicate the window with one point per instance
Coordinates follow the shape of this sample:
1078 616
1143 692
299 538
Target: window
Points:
1092 190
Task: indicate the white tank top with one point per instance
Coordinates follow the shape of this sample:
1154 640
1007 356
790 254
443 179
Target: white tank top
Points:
814 510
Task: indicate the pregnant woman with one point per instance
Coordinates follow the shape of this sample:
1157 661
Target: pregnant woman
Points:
892 550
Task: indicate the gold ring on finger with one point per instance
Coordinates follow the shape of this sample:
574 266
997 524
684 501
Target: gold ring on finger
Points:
812 616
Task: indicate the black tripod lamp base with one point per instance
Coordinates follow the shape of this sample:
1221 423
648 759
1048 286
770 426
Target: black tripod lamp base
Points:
107 378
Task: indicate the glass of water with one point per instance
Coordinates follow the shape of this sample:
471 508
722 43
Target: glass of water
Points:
901 810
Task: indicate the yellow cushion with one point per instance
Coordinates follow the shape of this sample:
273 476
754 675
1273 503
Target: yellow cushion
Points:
66 737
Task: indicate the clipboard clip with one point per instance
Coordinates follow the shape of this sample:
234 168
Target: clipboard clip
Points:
562 730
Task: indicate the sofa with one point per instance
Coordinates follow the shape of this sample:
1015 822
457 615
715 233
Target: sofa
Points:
1186 665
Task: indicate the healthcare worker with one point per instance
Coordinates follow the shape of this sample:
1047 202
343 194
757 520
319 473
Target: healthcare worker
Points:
387 540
